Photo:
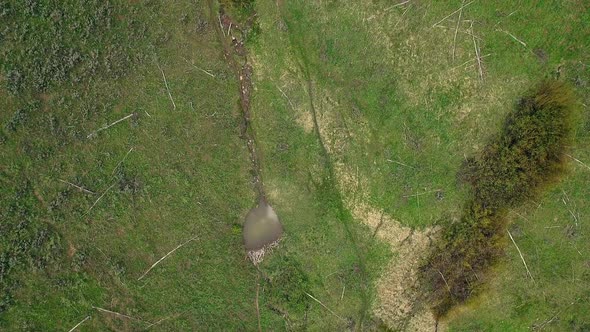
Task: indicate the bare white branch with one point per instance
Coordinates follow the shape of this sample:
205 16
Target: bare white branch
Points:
119 163
110 125
77 187
453 13
164 257
98 199
80 323
285 95
445 280
201 69
521 257
580 162
513 37
477 55
457 28
397 5
167 87
332 312
115 313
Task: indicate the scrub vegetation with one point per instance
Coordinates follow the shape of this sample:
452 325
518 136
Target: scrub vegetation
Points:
515 166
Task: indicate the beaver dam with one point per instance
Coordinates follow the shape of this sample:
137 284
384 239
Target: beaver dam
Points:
262 228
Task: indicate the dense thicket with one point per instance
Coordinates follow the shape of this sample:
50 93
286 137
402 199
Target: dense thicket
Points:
514 166
527 153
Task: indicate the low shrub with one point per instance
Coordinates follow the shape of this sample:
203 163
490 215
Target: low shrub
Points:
513 167
286 284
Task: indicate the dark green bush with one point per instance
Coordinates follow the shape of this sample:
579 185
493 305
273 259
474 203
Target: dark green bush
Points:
515 165
129 181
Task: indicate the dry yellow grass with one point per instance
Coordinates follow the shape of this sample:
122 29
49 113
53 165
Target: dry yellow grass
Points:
396 289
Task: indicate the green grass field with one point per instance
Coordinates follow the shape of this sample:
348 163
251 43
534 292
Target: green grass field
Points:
369 103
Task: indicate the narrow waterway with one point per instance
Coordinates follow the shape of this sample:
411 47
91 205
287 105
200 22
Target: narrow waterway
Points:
262 227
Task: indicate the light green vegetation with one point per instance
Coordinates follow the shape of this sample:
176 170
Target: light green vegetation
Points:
403 115
397 114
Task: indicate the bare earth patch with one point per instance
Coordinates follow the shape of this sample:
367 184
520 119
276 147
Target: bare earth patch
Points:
397 292
396 289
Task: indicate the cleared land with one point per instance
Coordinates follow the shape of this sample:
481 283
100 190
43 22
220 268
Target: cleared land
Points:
363 113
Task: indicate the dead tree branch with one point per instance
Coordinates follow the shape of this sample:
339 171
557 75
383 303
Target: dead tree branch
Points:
457 28
122 160
80 323
78 187
167 87
330 311
453 13
477 55
164 257
98 199
521 257
201 69
110 125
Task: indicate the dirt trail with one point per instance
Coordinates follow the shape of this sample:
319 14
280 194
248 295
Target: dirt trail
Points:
398 302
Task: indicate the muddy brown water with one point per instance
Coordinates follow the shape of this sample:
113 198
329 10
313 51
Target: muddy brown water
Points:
261 227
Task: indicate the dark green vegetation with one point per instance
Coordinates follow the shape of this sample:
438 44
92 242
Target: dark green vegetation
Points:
54 43
48 46
529 153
